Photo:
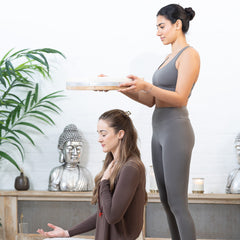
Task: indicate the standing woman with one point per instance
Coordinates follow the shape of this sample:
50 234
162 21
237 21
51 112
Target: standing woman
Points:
119 187
173 137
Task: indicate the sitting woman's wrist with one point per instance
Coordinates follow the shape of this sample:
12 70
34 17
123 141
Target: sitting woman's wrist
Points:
66 233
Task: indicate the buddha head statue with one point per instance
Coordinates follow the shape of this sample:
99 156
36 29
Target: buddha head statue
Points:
233 181
237 147
70 145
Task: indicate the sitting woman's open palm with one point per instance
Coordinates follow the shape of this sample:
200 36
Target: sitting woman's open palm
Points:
56 232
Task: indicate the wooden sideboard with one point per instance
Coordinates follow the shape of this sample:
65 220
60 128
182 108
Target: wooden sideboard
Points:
11 202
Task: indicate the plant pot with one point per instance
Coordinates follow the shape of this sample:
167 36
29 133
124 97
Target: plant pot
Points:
21 182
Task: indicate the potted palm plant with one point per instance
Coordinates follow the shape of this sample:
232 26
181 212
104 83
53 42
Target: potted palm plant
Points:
22 108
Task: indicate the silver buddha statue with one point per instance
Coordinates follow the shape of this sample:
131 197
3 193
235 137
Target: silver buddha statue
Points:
70 176
233 181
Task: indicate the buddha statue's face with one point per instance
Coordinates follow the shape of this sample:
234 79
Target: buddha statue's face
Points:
237 147
238 152
72 152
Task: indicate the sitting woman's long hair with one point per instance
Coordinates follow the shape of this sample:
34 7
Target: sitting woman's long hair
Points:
128 149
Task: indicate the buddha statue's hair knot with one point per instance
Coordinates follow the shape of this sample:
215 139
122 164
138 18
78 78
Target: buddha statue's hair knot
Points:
70 133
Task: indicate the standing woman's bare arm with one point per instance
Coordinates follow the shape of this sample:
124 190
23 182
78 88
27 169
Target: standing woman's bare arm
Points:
188 66
141 96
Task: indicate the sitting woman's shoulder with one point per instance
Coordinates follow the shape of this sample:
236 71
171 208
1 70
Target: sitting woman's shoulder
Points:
135 163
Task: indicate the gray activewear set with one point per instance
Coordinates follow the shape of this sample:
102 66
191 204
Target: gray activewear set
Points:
172 144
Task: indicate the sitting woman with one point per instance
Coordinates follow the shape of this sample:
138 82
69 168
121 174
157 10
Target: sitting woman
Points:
119 187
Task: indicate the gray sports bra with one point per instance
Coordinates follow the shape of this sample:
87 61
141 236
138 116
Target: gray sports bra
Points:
166 77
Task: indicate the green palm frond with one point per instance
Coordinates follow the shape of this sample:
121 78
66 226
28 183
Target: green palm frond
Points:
9 158
18 111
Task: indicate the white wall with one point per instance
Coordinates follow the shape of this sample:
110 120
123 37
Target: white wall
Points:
118 38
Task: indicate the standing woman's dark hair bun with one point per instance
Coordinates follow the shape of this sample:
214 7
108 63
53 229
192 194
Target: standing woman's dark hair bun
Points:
190 13
173 12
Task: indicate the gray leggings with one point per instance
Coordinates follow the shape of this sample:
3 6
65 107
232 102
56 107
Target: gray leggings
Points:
172 143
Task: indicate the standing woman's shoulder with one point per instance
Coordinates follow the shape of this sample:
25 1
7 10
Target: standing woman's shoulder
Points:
194 53
189 57
190 52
